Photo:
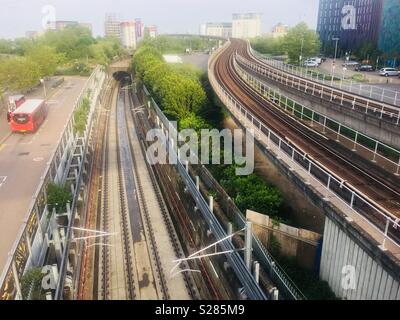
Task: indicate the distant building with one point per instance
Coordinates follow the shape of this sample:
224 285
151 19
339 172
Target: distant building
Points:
61 25
246 26
218 29
128 34
354 22
279 30
389 35
139 29
112 26
152 31
31 34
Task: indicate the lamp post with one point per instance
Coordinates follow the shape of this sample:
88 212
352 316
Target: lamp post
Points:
44 87
334 60
301 51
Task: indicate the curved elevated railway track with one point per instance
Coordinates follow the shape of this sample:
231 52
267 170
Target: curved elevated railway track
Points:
381 110
368 182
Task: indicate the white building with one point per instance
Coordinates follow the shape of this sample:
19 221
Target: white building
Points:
128 34
246 25
219 29
112 26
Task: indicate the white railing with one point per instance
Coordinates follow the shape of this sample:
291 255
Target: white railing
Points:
337 80
22 254
285 103
323 91
359 203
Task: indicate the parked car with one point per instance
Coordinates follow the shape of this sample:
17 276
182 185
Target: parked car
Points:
350 63
387 72
364 67
310 63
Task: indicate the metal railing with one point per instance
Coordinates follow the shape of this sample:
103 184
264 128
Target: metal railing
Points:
353 199
323 91
244 275
30 241
377 148
339 81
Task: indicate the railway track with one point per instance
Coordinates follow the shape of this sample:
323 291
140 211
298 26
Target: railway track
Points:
142 127
382 110
130 261
383 193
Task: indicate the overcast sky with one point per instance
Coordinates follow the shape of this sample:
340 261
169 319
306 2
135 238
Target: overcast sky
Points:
18 16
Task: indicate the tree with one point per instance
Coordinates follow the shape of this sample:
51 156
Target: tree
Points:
19 73
268 45
301 39
46 57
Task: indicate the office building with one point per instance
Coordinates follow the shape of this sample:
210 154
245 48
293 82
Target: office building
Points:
112 26
389 33
128 34
246 26
219 29
354 22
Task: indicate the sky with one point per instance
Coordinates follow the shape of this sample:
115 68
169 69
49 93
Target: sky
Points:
171 16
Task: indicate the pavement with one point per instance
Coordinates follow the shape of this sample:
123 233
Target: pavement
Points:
24 157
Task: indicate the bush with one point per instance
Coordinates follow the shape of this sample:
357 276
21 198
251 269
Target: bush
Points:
57 198
31 285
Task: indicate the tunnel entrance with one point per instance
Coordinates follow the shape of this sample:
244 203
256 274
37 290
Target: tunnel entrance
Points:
122 76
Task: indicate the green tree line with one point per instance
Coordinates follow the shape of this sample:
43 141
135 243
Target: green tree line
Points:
70 51
298 40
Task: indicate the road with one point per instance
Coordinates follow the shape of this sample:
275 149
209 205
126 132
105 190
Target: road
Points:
23 160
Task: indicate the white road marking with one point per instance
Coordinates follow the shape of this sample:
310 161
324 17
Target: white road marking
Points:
2 180
38 159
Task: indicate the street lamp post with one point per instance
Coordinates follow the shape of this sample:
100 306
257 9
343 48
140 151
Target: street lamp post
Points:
44 87
301 51
334 60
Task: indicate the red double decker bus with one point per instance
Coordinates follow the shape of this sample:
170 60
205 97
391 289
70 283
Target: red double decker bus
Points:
29 116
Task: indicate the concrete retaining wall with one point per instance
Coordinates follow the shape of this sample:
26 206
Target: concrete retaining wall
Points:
300 244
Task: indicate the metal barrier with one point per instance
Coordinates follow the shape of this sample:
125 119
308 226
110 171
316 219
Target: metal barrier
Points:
287 104
368 106
244 275
32 240
373 92
358 202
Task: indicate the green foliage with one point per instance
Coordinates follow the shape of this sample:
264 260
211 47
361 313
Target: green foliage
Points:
311 286
81 115
177 90
268 45
31 285
19 73
368 53
250 192
298 38
178 45
46 57
58 197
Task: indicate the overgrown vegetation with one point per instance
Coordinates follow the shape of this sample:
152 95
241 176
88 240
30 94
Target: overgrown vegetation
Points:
58 197
81 115
72 51
31 285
